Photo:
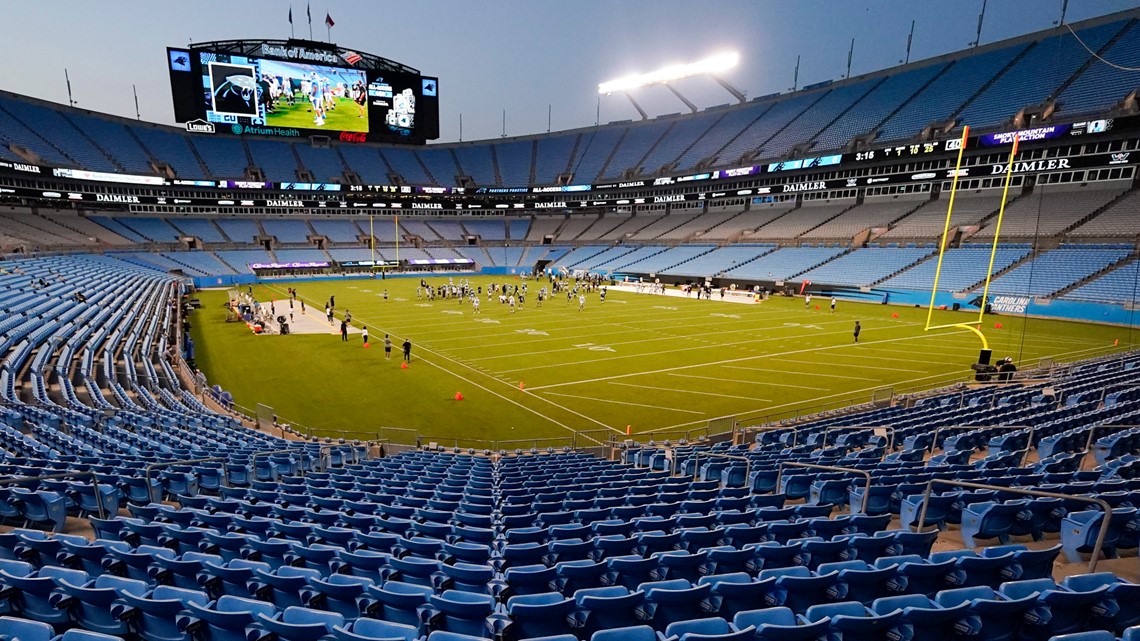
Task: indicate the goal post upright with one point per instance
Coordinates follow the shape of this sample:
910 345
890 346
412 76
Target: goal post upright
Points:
973 326
997 228
946 226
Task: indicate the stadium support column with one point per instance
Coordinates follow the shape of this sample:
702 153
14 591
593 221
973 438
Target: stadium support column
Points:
688 103
736 93
644 116
909 42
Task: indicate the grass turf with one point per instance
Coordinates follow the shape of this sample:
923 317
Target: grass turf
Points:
647 361
345 117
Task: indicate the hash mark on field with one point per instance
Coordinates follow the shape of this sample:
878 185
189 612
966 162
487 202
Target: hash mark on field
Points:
606 400
689 391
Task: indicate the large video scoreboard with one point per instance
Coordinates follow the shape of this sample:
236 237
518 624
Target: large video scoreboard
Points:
300 88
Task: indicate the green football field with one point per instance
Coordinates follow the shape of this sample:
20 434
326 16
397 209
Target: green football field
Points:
345 116
651 362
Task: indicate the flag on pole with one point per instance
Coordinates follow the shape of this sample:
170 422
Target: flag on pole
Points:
329 21
290 15
309 13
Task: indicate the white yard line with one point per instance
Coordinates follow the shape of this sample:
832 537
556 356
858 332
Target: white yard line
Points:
742 359
686 391
783 371
733 380
606 400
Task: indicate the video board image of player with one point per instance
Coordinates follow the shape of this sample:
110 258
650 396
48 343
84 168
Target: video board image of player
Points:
313 96
233 90
399 107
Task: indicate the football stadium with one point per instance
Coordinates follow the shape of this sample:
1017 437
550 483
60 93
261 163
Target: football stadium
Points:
852 361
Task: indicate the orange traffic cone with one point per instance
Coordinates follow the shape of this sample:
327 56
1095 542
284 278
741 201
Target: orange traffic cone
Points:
997 325
817 308
404 365
522 385
895 315
366 346
459 396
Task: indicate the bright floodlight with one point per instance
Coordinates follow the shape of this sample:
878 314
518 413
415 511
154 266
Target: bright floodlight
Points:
712 65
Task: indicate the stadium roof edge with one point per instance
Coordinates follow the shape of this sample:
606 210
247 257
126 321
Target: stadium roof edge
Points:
253 46
1133 13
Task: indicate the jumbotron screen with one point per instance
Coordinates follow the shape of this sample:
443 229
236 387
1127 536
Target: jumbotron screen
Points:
266 95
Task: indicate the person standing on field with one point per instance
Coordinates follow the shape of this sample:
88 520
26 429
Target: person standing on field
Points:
858 328
387 348
408 350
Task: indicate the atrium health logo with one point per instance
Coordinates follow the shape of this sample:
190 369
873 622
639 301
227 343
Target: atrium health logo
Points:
236 128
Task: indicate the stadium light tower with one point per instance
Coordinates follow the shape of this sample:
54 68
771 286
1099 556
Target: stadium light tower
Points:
711 66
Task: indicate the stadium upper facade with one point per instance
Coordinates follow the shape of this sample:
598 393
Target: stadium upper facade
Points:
1044 77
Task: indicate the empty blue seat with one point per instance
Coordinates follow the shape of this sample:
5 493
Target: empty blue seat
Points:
917 576
295 624
632 633
1079 532
971 569
853 621
609 607
466 612
780 624
775 555
738 591
1000 619
1121 610
576 575
410 569
90 604
48 509
632 570
540 615
1089 635
1026 563
675 600
375 630
678 564
798 588
989 520
927 620
530 579
471 577
224 619
405 603
860 581
18 629
31 595
153 615
338 593
1057 611
725 559
707 629
364 563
